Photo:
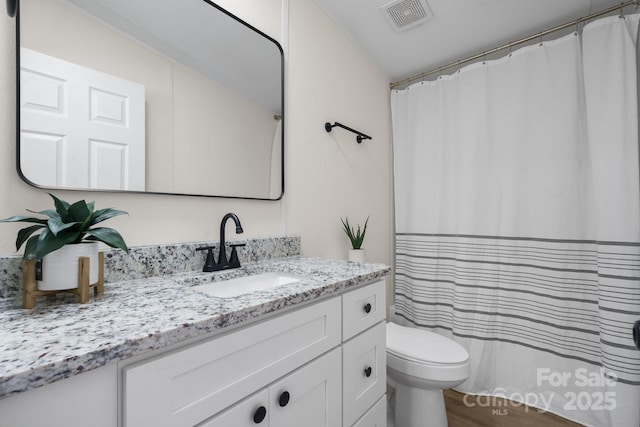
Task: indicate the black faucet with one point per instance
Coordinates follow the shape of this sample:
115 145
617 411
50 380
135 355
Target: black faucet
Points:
223 263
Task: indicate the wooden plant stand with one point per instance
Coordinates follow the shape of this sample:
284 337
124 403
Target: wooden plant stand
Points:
31 292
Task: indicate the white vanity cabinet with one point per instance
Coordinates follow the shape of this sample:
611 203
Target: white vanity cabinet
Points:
322 365
191 385
364 362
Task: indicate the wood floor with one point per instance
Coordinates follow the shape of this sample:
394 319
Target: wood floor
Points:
497 413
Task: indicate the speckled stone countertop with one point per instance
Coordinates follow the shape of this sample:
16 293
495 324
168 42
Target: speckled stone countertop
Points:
59 339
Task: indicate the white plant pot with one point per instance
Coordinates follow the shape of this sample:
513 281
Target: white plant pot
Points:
357 255
60 268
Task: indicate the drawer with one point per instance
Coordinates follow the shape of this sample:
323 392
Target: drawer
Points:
364 375
376 416
193 383
363 308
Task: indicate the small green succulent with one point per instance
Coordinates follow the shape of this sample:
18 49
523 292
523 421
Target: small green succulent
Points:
67 224
356 236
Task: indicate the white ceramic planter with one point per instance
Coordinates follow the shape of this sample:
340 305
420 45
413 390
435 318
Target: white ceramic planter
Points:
60 268
357 255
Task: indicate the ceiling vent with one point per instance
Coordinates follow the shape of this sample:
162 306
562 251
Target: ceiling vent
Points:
405 14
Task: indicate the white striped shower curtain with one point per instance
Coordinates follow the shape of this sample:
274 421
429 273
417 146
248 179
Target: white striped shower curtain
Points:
517 192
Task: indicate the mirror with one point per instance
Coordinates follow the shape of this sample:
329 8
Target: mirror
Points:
159 96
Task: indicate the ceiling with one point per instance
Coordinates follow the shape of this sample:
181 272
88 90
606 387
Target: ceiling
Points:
457 29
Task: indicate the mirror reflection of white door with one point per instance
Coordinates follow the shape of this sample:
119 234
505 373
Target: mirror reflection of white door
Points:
80 128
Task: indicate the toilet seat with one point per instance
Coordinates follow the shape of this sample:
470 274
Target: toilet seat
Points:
419 346
426 355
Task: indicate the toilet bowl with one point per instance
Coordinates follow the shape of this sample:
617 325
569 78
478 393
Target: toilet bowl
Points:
421 364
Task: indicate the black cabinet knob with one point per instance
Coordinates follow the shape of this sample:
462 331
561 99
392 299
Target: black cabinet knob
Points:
259 415
284 399
367 308
368 371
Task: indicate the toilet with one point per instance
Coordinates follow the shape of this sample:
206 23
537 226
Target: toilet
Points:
421 364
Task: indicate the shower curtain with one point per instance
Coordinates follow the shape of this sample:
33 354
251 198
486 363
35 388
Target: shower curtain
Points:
518 221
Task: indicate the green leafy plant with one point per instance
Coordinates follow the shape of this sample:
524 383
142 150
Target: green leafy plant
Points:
356 236
67 224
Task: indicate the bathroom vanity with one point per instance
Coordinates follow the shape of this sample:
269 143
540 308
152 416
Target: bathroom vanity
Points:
311 352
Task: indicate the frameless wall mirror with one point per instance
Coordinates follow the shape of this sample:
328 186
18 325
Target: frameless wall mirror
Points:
158 96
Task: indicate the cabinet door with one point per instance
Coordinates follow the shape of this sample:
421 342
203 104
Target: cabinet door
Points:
251 412
365 373
310 396
88 399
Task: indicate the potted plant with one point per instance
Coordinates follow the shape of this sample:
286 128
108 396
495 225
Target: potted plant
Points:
356 236
67 233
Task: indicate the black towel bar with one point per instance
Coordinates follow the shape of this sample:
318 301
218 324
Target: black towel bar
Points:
359 135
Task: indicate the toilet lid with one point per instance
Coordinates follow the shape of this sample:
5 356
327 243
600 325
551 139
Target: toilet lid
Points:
423 346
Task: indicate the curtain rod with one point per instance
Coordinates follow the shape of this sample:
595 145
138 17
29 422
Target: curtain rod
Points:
576 22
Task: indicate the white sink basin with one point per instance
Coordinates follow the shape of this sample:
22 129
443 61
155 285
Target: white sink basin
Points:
247 284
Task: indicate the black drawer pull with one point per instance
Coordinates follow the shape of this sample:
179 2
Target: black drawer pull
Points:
284 399
259 415
368 371
367 308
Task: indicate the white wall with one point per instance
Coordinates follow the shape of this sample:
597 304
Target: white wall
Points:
328 176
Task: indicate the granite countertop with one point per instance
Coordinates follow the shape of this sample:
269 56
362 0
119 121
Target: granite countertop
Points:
59 339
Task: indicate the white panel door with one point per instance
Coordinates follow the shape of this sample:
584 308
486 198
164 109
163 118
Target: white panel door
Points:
310 396
80 128
364 362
